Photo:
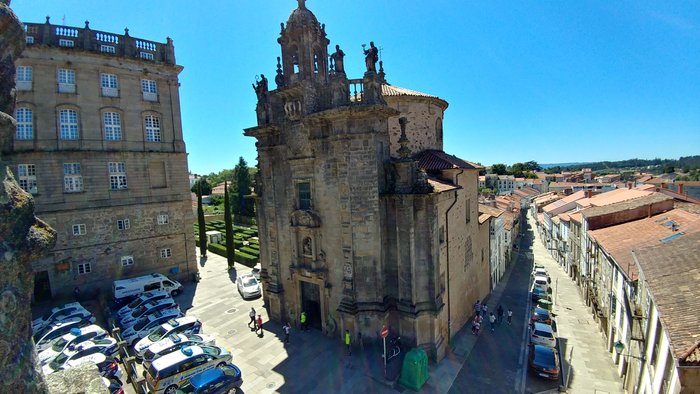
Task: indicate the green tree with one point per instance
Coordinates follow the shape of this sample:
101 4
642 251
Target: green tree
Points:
499 169
533 166
202 224
228 221
201 186
531 175
241 188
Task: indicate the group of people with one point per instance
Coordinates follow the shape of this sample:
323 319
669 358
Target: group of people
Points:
482 310
256 324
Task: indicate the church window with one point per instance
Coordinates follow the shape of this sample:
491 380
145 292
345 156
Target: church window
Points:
442 234
438 129
469 212
304 195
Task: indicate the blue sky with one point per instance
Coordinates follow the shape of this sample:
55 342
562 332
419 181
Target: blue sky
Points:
551 81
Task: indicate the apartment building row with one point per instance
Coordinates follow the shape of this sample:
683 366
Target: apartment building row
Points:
99 145
633 252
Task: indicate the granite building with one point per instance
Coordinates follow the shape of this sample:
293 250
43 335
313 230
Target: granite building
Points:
99 144
364 221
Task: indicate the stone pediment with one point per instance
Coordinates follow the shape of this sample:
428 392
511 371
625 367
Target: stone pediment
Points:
303 218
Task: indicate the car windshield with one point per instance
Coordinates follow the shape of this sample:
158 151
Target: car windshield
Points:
59 345
58 361
157 334
212 351
249 282
141 324
544 356
133 304
545 334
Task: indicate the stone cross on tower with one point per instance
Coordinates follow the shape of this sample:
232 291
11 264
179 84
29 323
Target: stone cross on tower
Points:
302 4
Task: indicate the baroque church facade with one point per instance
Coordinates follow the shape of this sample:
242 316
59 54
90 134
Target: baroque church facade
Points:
364 221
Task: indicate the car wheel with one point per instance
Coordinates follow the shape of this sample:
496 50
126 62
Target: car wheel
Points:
171 389
219 365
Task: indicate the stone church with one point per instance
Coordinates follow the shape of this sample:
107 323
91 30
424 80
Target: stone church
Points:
364 220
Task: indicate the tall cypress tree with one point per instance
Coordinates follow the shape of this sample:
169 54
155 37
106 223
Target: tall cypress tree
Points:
202 224
228 220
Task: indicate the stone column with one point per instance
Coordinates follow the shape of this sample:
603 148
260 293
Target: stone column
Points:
25 238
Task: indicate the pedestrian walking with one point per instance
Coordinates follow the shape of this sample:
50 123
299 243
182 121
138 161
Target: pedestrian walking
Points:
259 326
347 342
477 308
302 320
492 320
484 310
499 311
287 328
510 316
251 323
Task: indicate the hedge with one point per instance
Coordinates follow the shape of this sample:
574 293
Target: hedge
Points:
245 259
254 245
250 251
218 249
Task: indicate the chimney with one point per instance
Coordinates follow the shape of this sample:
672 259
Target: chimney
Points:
680 188
629 185
589 193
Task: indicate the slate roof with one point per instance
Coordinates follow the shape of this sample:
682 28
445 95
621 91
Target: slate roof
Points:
432 160
671 271
619 241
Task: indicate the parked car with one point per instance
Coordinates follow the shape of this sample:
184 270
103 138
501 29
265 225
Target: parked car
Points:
541 315
128 289
147 309
140 300
147 324
185 325
74 337
225 379
542 281
61 313
542 334
114 385
173 343
538 293
544 361
106 346
540 271
170 372
248 286
47 336
107 365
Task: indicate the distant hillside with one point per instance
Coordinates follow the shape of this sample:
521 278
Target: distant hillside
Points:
684 164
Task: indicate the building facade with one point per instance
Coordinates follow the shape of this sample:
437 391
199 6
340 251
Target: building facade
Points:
99 144
364 221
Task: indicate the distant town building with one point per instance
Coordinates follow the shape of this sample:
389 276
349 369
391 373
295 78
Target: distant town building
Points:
99 144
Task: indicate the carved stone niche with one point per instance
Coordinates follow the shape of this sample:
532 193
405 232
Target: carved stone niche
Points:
303 218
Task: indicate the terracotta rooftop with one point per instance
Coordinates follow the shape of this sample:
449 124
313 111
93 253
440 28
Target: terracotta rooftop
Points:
625 205
576 217
619 241
393 91
612 197
440 186
540 218
483 217
439 160
568 199
671 271
657 181
491 211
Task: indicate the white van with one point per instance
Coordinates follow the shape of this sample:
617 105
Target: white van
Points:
129 288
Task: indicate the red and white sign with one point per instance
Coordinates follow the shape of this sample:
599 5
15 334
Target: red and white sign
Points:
385 332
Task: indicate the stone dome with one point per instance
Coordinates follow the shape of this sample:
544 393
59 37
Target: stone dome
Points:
301 17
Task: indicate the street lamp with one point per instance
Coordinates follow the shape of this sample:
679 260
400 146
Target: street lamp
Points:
620 347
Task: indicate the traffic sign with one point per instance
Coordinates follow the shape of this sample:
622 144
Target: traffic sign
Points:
385 332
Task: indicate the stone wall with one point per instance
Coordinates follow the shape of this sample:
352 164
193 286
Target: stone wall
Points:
424 128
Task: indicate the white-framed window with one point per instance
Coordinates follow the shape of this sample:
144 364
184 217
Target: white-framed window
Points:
107 49
127 261
117 175
72 179
25 123
123 224
68 124
163 219
146 56
29 40
152 125
112 122
110 85
84 268
149 88
66 80
79 229
26 177
23 78
165 253
66 43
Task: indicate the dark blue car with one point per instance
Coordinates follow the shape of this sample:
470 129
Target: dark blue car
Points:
544 361
219 380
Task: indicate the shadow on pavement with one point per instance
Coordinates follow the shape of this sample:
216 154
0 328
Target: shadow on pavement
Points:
567 371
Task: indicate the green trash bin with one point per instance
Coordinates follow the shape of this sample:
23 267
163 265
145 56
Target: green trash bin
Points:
414 371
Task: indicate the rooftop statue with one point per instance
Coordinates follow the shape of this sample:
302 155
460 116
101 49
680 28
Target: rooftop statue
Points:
337 60
371 57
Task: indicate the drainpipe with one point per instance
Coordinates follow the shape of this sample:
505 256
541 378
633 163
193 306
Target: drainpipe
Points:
447 237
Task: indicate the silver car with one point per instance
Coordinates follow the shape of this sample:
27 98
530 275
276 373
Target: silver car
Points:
47 336
248 286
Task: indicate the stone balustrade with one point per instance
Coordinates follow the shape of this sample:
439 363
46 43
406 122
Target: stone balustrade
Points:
99 41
